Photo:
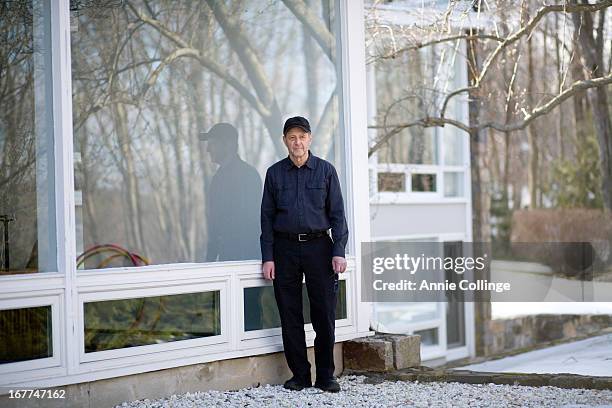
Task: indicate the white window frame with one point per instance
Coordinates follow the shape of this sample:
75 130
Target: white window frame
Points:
441 350
254 281
72 288
48 288
409 196
155 350
399 15
27 368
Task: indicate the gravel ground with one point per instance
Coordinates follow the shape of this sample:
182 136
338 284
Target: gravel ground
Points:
389 394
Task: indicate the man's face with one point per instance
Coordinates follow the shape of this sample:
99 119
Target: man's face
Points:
297 141
215 149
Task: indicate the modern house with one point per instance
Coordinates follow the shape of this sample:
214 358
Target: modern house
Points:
110 266
105 178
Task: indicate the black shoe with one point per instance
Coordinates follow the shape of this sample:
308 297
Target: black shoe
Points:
296 385
330 385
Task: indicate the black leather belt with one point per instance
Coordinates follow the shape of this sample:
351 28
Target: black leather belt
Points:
300 237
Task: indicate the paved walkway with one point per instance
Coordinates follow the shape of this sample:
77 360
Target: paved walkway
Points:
505 310
591 356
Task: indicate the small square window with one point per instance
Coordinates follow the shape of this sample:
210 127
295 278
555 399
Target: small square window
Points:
392 182
453 184
429 337
425 183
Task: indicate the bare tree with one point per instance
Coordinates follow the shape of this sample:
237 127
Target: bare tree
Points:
591 41
510 39
165 72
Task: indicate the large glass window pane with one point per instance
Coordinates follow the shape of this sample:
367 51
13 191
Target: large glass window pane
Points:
27 210
400 95
148 78
114 324
261 312
453 147
25 334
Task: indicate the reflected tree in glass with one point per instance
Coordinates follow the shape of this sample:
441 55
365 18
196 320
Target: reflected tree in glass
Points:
114 324
27 201
395 105
261 311
25 334
148 77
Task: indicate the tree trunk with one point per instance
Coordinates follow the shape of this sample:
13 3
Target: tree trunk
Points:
312 74
560 126
592 55
481 201
534 152
129 177
254 69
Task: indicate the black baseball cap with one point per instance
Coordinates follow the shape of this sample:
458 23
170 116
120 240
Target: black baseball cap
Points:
296 121
221 130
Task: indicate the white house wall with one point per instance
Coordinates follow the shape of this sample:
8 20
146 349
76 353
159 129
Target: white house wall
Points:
390 221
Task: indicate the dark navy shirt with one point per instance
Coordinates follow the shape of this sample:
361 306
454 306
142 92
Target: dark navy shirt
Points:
299 200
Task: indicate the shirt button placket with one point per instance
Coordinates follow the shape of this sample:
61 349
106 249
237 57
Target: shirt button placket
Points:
300 202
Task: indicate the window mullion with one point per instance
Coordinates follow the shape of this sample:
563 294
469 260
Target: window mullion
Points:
64 189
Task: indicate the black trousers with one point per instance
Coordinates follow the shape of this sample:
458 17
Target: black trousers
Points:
311 259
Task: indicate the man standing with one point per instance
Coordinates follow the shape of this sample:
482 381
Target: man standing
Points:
301 202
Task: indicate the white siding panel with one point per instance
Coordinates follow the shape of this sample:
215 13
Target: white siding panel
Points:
417 219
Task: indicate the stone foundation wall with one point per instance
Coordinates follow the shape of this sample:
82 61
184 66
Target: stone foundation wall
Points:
217 375
506 335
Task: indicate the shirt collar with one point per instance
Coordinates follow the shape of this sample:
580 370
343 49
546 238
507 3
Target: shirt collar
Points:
311 162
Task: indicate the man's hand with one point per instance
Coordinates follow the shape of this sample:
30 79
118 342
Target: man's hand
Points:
339 264
268 270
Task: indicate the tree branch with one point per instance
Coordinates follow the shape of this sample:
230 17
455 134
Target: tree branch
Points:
550 105
503 43
313 25
419 45
531 24
186 50
530 117
425 122
242 46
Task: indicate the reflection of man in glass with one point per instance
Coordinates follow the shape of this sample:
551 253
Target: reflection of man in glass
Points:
232 199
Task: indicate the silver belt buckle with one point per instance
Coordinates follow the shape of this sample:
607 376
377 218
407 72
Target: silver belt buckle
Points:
300 238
